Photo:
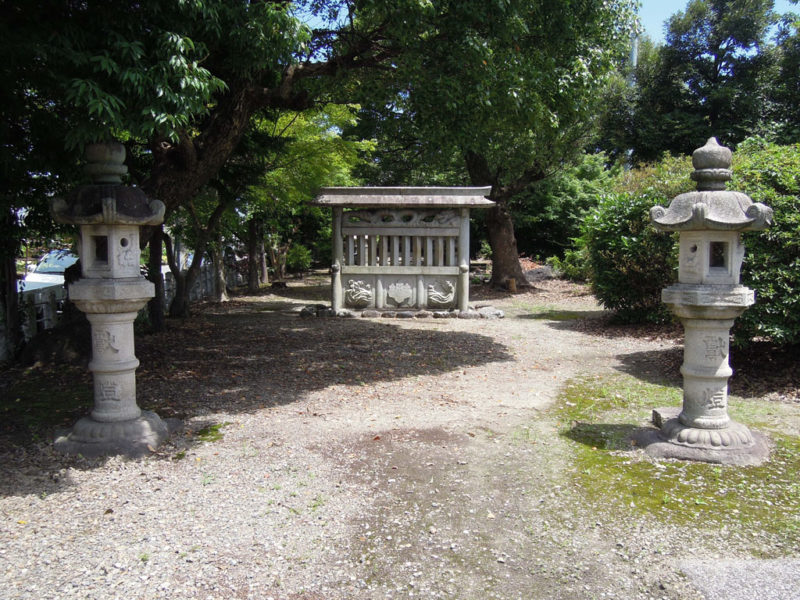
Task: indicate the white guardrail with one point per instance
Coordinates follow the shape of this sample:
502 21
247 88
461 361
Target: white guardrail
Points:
41 306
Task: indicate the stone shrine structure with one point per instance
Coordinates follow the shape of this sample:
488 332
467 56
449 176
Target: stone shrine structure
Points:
111 292
401 248
707 299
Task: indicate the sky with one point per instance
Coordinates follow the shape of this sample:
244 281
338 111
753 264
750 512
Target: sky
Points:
655 12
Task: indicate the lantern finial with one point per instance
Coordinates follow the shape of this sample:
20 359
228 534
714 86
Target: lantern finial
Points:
106 162
712 164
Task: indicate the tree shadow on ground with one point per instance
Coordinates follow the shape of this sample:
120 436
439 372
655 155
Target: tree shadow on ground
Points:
759 370
603 324
242 358
313 290
239 358
762 368
562 316
661 367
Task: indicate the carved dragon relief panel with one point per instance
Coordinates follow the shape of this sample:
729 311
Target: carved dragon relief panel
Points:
441 293
358 294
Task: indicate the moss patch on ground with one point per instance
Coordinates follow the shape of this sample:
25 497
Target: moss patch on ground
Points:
211 433
598 415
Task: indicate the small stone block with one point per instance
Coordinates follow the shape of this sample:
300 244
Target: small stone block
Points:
468 314
405 314
389 315
490 312
370 314
662 415
423 314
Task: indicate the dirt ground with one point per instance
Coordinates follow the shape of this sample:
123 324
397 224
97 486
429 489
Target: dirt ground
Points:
327 459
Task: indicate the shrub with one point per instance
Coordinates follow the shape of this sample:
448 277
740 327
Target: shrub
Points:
548 214
630 262
575 264
664 179
770 174
298 258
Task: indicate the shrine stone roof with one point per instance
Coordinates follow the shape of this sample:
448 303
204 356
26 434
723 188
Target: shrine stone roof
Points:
404 197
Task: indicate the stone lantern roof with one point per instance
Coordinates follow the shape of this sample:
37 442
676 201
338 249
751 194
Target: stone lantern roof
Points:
712 207
107 201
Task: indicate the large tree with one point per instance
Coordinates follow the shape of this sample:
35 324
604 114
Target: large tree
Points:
718 49
507 89
178 82
786 86
714 75
33 162
505 84
277 204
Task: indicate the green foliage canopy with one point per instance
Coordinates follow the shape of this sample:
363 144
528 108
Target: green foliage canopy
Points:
146 69
312 154
721 72
510 80
548 215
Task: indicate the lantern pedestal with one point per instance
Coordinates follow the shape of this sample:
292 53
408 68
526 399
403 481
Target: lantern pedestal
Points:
116 425
702 429
133 438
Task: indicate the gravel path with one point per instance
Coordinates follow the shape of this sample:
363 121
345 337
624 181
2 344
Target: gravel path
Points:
404 458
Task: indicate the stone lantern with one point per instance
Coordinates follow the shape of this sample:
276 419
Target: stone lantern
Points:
111 292
707 299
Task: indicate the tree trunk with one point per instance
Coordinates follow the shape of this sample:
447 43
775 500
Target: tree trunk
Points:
179 306
184 280
277 258
499 224
156 305
10 327
255 232
505 256
218 263
263 271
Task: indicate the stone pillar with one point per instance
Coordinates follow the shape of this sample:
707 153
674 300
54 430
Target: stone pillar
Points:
705 373
463 261
707 299
338 259
111 292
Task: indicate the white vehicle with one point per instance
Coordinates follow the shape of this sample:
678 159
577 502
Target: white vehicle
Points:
49 271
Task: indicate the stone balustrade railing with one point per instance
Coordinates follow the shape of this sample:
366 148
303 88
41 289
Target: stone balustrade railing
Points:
401 248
